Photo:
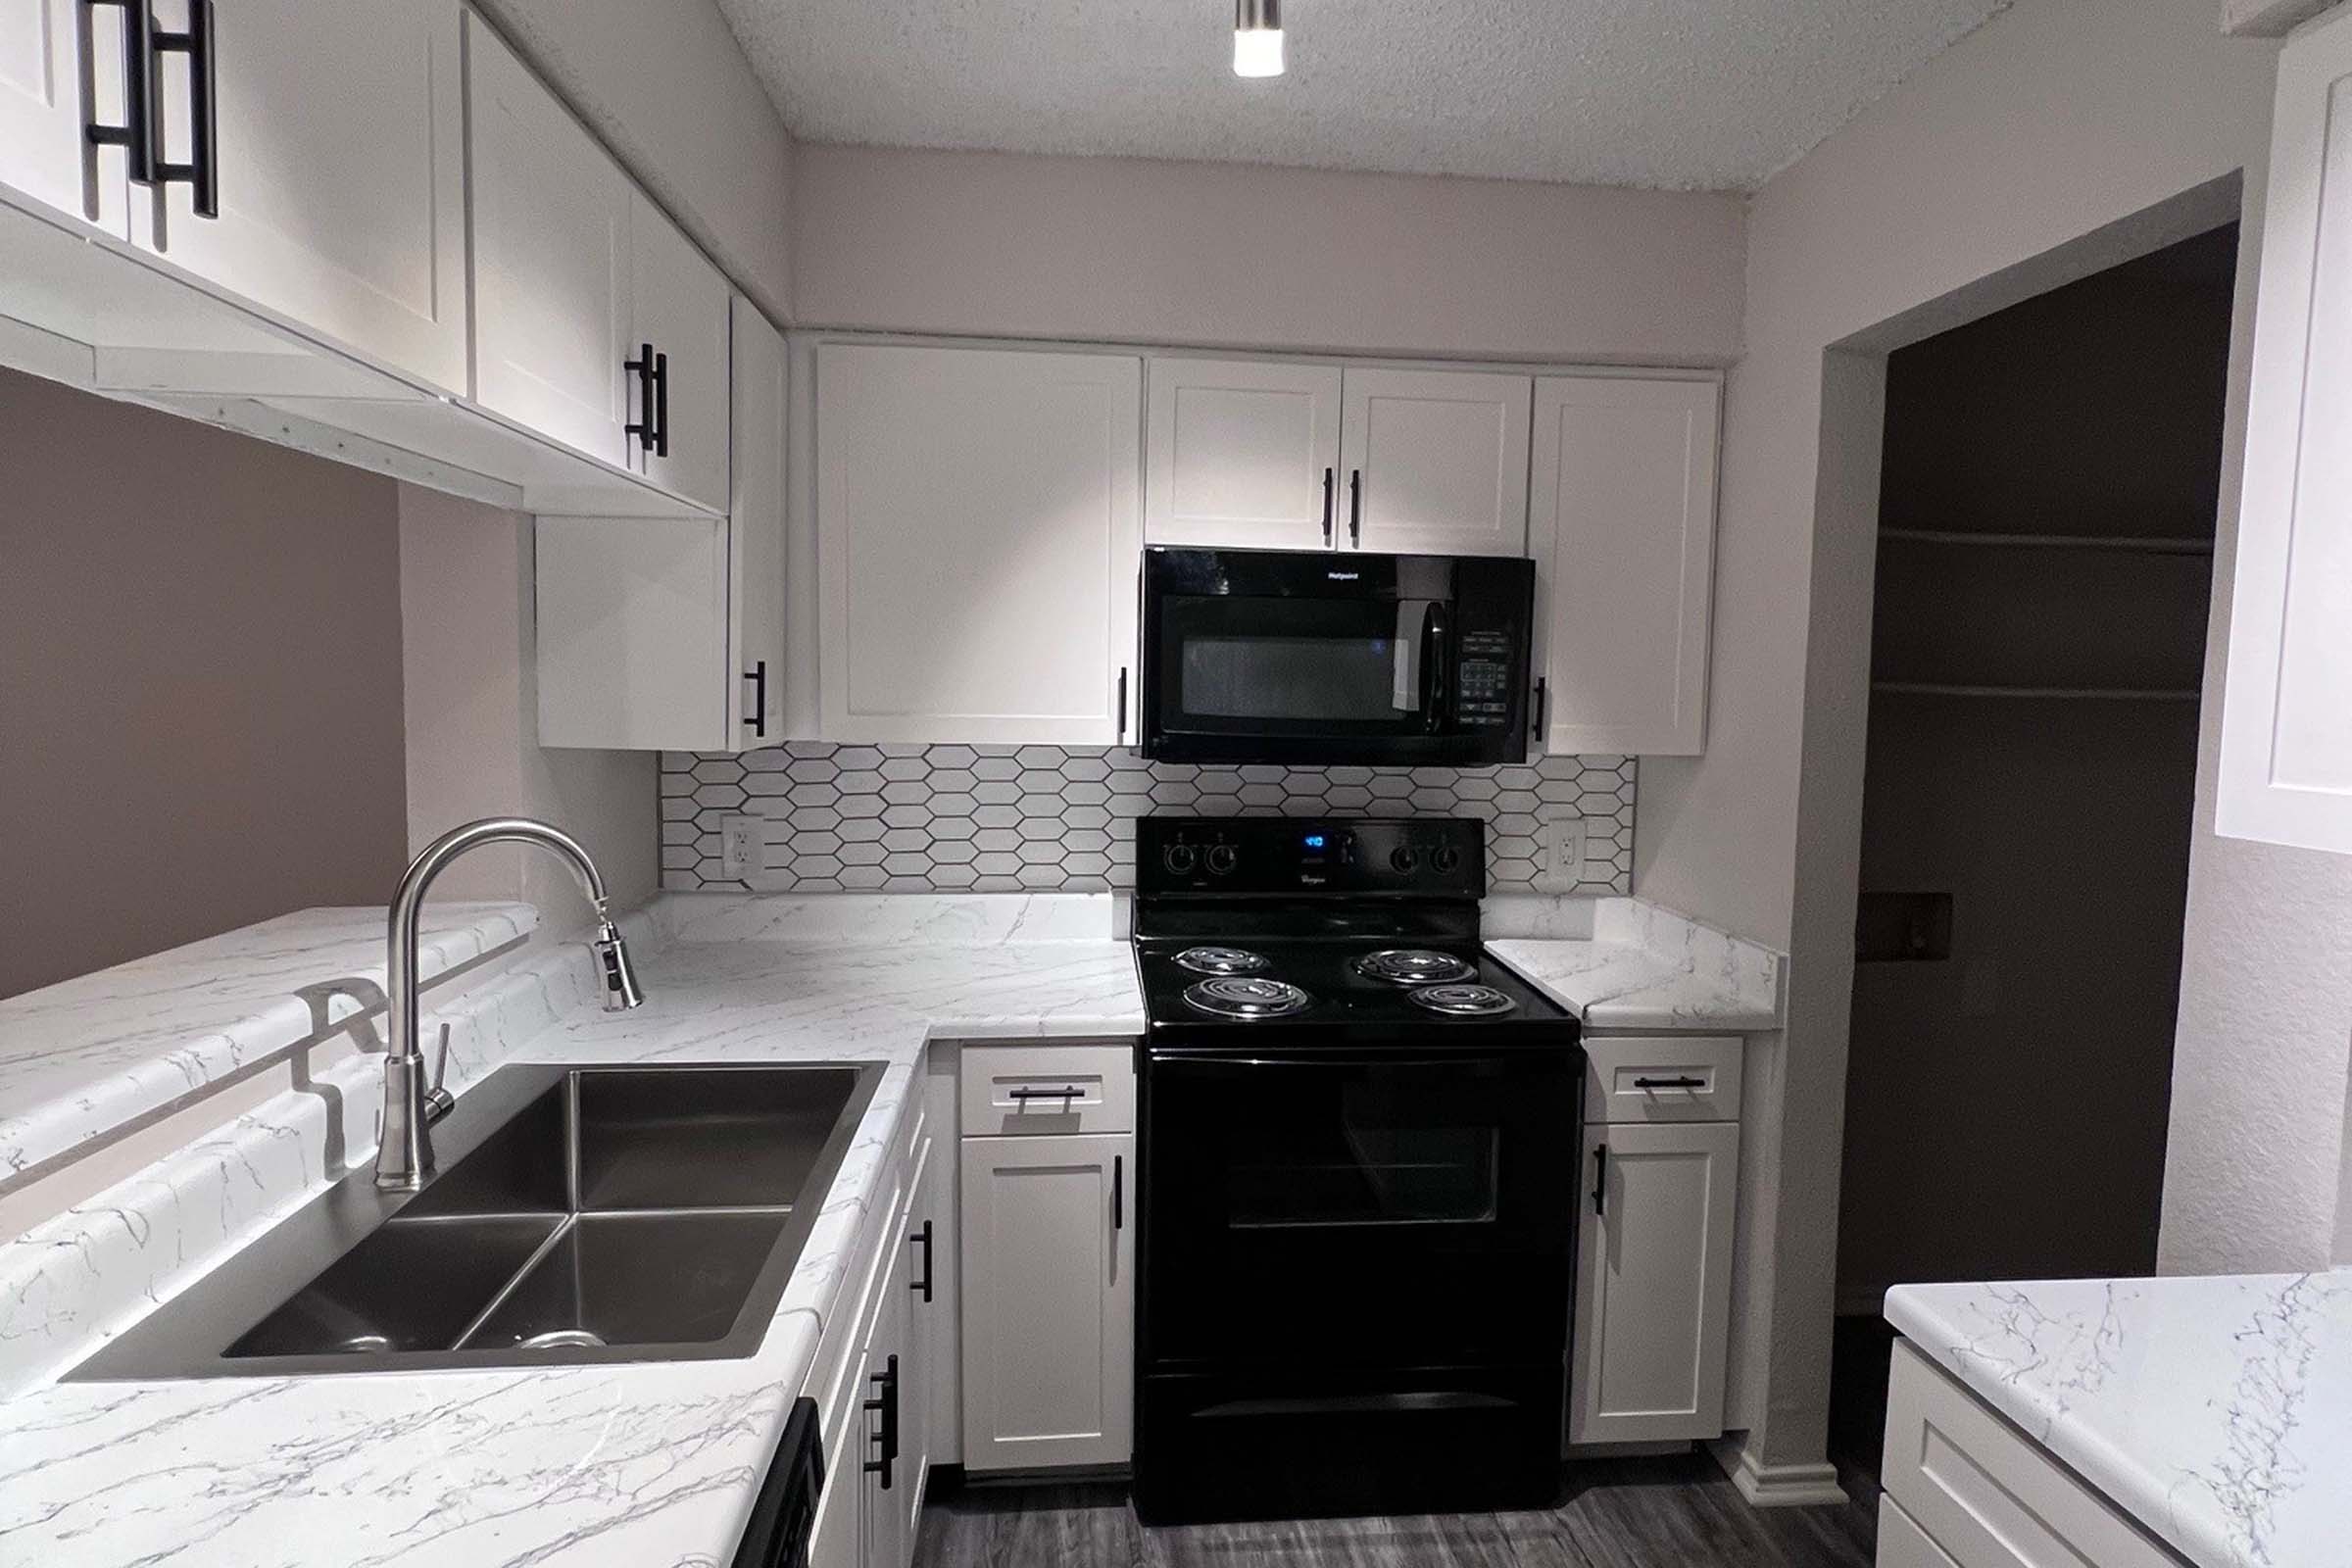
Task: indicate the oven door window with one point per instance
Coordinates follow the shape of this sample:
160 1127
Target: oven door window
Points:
1306 1207
1234 665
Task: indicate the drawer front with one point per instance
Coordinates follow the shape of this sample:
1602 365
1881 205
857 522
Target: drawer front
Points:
1047 1091
1988 1495
1662 1078
1902 1543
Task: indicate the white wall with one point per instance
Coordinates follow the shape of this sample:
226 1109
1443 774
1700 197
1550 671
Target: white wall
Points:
1138 250
471 701
669 91
2057 117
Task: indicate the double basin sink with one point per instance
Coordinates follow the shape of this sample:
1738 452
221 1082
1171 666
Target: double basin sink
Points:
579 1215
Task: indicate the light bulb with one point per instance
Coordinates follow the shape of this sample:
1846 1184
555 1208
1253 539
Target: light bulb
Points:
1257 38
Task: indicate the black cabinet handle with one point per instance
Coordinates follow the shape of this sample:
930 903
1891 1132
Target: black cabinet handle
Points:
650 427
1118 1192
1600 1179
1670 1083
886 1407
661 405
202 172
1023 1096
1355 506
1122 702
1538 731
138 34
758 676
1330 479
922 1239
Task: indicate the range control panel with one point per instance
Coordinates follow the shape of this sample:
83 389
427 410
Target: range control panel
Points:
1290 855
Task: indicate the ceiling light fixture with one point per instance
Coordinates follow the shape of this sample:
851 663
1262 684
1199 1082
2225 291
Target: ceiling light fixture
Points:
1257 38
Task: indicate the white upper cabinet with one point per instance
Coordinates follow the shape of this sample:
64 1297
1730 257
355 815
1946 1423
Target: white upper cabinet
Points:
45 157
678 310
1435 461
1653 1296
2287 729
1243 453
667 633
1622 526
336 171
977 517
552 281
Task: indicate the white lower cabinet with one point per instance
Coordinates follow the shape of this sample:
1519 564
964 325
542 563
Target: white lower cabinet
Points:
1654 1282
1967 1490
1048 1240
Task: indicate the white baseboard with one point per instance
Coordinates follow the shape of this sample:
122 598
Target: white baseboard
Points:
1778 1486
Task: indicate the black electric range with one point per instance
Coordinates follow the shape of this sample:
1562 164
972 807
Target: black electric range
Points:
1358 1176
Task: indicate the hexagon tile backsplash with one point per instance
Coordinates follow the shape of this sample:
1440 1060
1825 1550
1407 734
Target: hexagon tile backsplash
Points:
1062 819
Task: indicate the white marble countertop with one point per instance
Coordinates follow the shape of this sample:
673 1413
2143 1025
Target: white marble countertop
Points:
1639 966
91 1057
2216 1412
641 1464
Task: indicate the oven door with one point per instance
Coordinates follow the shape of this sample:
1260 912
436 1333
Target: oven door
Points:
1337 1207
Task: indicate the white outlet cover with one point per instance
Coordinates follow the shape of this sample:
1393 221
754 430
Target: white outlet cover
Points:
1563 854
742 846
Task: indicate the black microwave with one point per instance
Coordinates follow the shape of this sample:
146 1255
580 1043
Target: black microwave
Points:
1312 657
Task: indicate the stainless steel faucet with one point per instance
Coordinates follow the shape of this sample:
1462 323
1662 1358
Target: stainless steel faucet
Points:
405 1153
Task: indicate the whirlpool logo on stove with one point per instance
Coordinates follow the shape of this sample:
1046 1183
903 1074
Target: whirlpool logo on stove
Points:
1342 576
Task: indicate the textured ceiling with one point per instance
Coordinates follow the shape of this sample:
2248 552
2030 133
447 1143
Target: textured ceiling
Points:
1685 94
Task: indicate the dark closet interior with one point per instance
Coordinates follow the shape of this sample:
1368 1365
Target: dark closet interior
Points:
2044 572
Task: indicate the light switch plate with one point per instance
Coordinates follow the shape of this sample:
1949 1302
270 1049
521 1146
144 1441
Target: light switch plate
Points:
742 846
1563 856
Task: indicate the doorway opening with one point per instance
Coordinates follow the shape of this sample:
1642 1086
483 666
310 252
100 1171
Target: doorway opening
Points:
2047 496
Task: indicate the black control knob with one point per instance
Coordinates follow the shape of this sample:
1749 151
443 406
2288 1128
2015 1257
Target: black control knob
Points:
1222 858
1403 857
1181 858
1445 859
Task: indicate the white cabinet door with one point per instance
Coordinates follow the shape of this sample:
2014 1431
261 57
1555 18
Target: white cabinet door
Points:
918 1345
893 1379
976 522
551 259
340 173
1242 452
667 633
2287 731
1435 461
678 307
754 674
1622 527
1049 1301
837 1539
1653 1283
44 156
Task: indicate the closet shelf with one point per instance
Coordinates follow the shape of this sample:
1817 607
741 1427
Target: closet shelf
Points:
2104 693
2141 546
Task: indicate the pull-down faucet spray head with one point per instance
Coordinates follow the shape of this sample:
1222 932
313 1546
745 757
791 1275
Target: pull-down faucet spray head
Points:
404 1151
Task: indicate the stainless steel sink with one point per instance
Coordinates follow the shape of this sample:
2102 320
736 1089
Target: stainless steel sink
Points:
580 1214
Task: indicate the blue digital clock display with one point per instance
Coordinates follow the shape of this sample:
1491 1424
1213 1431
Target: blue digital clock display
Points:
1314 841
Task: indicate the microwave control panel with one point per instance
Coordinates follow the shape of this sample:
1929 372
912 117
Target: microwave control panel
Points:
1482 682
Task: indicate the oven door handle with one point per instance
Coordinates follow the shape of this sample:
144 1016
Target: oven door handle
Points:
1452 1062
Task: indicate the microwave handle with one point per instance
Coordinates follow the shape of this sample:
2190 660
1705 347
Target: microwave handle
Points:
1437 645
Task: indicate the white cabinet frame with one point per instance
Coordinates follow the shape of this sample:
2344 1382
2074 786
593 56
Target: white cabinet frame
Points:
2285 768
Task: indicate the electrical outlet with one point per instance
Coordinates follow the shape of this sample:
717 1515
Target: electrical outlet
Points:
742 846
1563 854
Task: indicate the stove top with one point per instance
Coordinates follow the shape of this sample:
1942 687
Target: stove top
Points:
1324 932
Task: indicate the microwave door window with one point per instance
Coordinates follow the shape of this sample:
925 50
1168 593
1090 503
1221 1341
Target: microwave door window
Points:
1298 678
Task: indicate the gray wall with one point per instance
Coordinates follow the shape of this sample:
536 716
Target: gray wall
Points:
200 716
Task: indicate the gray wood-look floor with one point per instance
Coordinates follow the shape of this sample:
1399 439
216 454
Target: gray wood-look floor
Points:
1620 1513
